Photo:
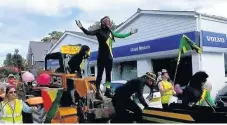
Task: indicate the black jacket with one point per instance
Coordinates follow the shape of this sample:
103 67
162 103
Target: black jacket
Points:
102 35
191 95
74 63
133 86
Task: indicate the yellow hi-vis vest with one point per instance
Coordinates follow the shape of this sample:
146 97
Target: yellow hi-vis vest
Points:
12 114
165 96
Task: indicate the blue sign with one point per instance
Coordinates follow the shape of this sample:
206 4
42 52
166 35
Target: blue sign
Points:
212 39
157 45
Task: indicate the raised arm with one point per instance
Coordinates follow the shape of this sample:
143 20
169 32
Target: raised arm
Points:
123 35
87 32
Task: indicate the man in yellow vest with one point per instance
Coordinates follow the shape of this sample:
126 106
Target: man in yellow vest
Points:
11 108
166 89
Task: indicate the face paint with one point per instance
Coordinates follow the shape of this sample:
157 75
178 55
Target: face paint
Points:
107 22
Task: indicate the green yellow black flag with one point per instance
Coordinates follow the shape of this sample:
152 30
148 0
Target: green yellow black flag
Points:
186 45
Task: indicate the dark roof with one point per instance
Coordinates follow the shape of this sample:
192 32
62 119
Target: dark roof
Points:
82 34
38 49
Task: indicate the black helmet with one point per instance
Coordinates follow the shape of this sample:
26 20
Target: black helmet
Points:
84 48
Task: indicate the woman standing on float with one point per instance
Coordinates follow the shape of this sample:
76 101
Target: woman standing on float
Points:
105 56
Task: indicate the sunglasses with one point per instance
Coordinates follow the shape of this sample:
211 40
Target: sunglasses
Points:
11 92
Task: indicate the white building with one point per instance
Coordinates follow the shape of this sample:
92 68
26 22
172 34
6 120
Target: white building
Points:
156 44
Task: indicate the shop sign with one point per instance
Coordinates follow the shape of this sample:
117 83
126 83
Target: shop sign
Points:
150 46
213 39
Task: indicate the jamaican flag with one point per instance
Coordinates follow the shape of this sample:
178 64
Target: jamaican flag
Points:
186 45
51 100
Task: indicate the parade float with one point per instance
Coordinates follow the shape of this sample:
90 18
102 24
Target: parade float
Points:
67 98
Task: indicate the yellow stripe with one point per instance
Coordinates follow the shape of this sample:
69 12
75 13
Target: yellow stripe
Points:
109 40
52 94
184 49
169 114
158 120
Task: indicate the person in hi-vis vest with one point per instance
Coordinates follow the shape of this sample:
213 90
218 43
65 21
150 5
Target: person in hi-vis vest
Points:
11 108
166 89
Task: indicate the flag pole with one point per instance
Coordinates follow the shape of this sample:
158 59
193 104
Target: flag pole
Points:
175 74
178 62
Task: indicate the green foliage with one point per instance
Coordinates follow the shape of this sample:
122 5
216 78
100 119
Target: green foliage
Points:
12 63
8 60
5 71
54 35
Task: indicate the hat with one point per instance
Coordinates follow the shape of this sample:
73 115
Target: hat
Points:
151 75
164 71
85 48
11 75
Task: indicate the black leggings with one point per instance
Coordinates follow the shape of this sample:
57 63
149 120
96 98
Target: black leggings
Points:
165 106
121 105
107 64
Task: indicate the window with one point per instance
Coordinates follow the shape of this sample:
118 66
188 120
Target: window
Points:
32 59
225 57
184 71
92 70
52 64
125 70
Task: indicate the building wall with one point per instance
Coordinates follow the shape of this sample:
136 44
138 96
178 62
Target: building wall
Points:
156 26
213 64
39 64
214 26
70 39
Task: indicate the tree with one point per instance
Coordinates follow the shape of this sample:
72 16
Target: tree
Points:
14 59
97 25
54 35
17 59
8 60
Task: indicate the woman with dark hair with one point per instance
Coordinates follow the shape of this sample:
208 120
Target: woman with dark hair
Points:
105 54
193 92
11 108
76 62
